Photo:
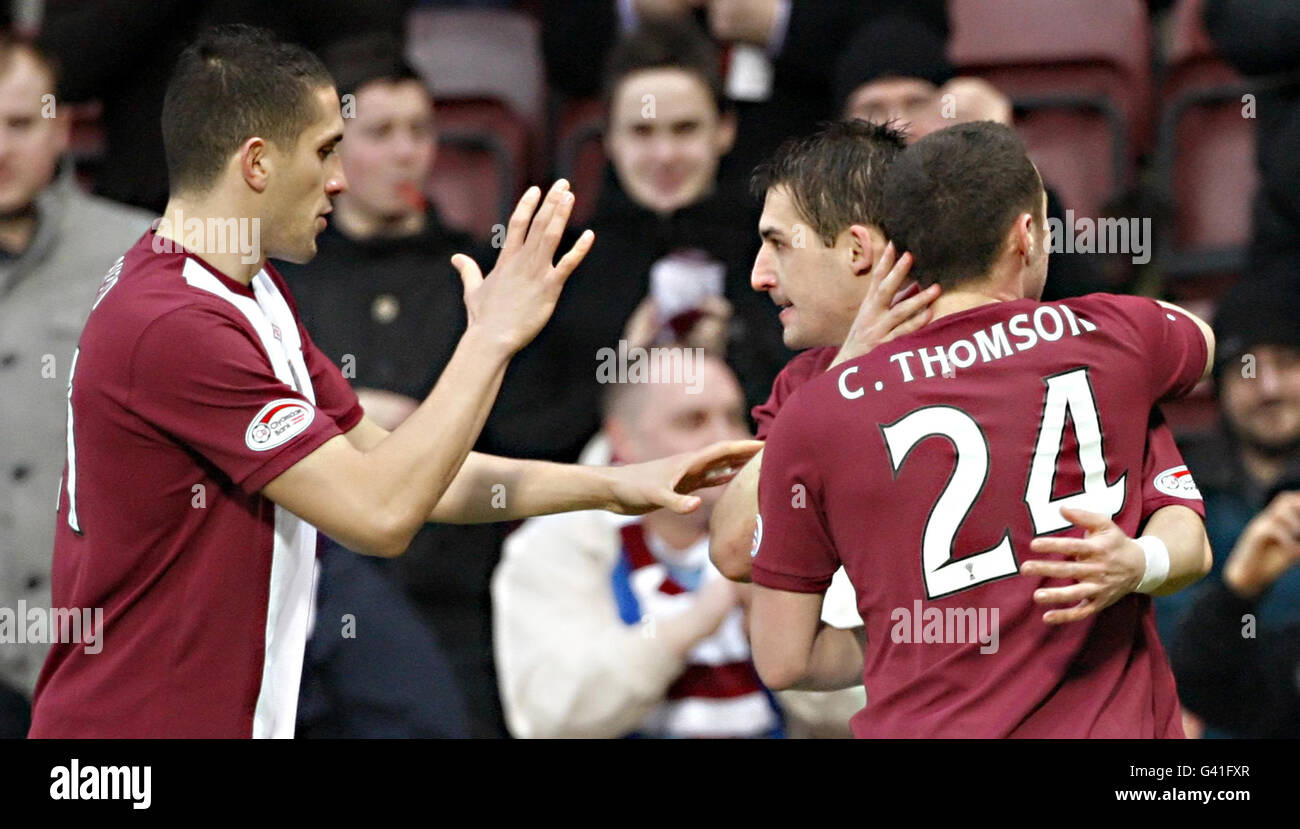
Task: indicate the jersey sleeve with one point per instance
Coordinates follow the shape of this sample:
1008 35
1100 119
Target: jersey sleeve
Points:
793 549
1174 347
1166 480
803 367
202 379
334 395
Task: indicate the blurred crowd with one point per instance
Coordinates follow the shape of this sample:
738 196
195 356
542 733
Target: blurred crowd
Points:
1187 115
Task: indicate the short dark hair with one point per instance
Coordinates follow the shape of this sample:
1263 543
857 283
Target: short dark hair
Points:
667 44
951 197
359 60
835 176
232 83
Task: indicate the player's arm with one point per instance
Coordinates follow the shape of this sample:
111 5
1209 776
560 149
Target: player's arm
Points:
1206 332
731 526
490 488
794 650
1107 565
1190 554
374 501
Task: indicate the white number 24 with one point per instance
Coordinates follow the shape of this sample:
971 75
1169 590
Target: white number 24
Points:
1068 392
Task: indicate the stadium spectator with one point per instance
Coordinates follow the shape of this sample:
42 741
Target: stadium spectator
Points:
668 231
1259 38
1255 453
613 627
385 304
896 68
128 71
56 244
781 56
1239 675
1009 678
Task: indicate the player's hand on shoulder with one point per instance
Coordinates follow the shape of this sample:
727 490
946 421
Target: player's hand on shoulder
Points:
514 301
881 319
1106 565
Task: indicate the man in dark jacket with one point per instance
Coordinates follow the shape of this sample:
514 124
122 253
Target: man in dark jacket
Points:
668 230
1248 473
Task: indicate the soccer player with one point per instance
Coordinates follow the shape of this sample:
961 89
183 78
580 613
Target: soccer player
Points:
821 230
209 439
955 447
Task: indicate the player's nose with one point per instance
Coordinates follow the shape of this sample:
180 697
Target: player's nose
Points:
336 183
663 149
762 277
1269 379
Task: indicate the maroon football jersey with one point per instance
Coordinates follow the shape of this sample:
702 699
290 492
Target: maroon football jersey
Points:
1166 481
928 465
189 392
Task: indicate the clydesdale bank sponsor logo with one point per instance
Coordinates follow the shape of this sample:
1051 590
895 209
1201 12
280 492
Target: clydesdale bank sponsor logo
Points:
279 422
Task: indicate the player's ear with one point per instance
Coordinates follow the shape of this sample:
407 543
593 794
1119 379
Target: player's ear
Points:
726 136
61 131
617 433
865 244
255 163
1023 237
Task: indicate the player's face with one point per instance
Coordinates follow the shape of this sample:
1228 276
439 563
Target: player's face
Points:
305 181
665 138
682 417
1264 410
30 142
813 284
913 101
390 147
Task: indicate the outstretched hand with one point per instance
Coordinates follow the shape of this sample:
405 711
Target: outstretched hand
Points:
516 299
1105 564
667 482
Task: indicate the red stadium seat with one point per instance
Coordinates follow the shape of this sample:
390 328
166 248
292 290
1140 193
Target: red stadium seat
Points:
580 152
1206 154
1074 151
86 143
482 163
1079 74
481 53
